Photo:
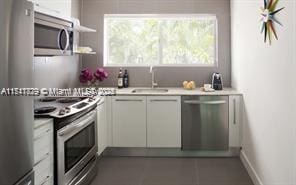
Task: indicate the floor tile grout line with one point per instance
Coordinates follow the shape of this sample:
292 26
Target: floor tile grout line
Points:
144 171
197 164
196 168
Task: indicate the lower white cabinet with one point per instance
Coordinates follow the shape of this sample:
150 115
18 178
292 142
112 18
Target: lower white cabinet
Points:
163 121
102 125
235 120
155 121
43 151
129 121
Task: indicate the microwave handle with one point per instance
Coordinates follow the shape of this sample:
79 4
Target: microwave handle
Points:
67 37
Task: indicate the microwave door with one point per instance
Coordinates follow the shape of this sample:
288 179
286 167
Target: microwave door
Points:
51 40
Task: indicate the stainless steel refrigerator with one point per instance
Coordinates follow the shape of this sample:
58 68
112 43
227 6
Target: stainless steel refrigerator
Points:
16 113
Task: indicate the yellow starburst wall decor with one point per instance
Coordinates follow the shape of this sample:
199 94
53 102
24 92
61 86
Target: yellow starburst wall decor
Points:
268 19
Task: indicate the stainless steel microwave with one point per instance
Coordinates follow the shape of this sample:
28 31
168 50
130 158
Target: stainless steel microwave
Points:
53 36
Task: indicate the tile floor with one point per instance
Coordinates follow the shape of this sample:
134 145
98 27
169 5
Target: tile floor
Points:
171 171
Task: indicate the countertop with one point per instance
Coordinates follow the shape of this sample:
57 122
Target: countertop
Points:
177 92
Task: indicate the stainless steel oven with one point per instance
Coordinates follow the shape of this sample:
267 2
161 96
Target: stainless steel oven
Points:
53 36
76 149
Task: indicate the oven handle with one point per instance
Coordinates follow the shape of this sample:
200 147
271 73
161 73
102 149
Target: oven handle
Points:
82 122
89 170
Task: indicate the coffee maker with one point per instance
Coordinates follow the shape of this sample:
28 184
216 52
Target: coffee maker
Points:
217 81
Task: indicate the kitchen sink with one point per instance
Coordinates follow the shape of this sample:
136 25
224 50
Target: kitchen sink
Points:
150 90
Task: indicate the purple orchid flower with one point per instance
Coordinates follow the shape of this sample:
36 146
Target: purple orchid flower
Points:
86 75
100 74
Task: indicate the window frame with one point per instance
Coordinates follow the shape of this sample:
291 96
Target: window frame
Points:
160 16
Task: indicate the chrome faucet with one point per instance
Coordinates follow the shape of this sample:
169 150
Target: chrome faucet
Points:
153 82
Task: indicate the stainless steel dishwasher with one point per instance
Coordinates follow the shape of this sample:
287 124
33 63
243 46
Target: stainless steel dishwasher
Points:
205 123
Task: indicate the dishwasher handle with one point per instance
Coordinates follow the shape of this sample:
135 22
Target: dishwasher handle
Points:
197 102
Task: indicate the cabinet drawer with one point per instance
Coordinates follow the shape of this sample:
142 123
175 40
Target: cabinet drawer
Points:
43 170
38 122
47 181
43 146
41 130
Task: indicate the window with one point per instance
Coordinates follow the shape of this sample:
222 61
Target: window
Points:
169 40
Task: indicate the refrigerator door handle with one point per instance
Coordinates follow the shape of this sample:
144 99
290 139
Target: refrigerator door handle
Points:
28 12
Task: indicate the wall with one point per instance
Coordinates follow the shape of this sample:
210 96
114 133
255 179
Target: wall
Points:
92 15
58 72
266 76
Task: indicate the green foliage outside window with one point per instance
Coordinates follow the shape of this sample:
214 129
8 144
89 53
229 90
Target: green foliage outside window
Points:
160 40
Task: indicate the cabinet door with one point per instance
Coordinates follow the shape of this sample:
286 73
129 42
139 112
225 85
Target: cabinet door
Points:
129 121
60 7
235 108
102 126
163 121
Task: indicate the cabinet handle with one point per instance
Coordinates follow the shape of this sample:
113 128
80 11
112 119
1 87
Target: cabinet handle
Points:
46 180
196 102
128 100
169 100
42 134
234 111
41 125
28 183
42 159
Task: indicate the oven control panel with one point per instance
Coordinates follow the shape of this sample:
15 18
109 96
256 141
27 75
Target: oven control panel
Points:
77 107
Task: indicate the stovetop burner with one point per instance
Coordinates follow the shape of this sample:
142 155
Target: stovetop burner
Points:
44 110
62 107
69 100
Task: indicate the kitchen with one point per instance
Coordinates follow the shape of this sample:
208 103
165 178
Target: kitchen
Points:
216 111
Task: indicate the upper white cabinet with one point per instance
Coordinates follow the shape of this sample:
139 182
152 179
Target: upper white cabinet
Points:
102 125
163 121
129 121
235 120
60 7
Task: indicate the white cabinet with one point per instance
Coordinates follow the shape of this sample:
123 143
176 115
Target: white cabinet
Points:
163 121
235 120
43 151
155 121
129 121
57 7
102 125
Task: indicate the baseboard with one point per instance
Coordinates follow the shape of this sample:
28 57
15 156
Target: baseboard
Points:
251 171
168 152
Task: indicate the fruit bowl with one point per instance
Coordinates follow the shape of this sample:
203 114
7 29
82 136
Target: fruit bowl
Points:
189 85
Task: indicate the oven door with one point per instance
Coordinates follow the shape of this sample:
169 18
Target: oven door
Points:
77 145
52 37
